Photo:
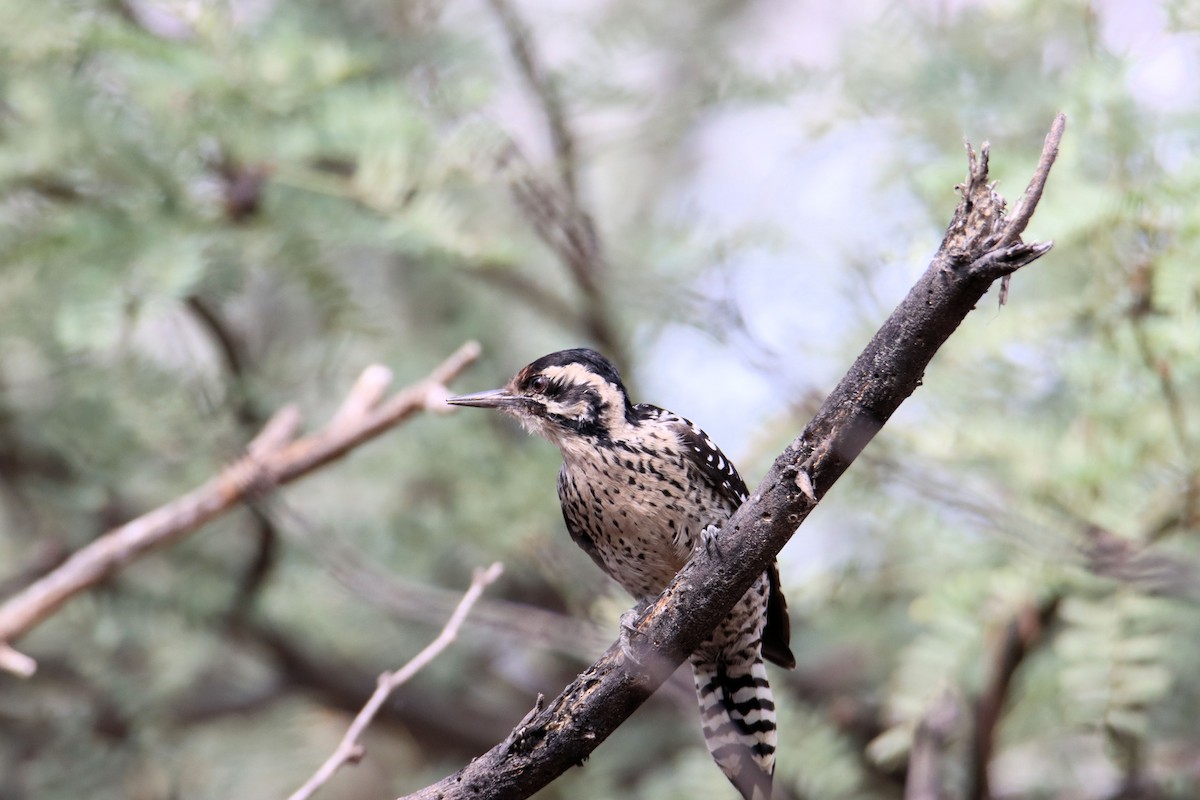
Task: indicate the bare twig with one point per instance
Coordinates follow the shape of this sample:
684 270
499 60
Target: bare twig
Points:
274 458
521 45
16 662
280 429
972 257
1018 220
1023 212
1148 569
411 602
567 229
556 209
368 391
926 765
349 750
1020 635
542 299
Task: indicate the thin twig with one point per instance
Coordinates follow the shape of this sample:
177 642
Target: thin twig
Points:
1176 410
521 45
274 458
534 293
16 662
367 393
1021 634
927 764
349 750
1020 216
556 210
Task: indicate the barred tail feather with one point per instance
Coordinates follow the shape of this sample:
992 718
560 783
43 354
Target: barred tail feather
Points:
737 713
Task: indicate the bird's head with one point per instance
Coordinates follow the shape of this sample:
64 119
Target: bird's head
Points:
567 397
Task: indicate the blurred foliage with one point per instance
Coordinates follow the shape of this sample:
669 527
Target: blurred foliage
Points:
210 209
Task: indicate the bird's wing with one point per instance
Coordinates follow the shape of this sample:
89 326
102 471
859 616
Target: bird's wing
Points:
705 457
720 473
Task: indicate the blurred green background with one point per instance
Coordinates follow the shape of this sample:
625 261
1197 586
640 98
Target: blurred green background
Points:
211 209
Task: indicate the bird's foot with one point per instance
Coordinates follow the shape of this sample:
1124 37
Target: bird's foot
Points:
708 537
629 630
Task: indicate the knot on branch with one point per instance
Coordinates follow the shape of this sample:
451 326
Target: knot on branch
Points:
527 734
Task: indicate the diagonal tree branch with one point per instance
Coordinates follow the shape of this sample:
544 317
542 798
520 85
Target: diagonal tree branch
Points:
274 457
976 251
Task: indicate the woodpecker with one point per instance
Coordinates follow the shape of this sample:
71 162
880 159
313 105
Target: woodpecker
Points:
640 489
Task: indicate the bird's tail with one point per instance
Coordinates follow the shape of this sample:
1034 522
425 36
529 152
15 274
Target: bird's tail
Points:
737 713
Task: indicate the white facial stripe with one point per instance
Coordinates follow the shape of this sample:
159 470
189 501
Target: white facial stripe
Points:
579 375
574 374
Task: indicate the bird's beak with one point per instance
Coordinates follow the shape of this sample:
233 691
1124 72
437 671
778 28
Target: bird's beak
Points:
495 398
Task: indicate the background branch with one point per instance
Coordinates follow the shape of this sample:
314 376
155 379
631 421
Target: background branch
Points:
349 749
974 253
931 745
562 138
567 229
556 210
273 458
411 602
1020 636
250 417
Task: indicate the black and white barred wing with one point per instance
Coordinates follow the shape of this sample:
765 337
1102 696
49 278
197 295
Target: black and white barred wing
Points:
708 460
713 466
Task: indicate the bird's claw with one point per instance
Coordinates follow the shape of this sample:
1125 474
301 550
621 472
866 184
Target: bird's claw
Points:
629 630
708 537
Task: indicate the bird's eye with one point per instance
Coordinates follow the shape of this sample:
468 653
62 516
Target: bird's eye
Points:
540 384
